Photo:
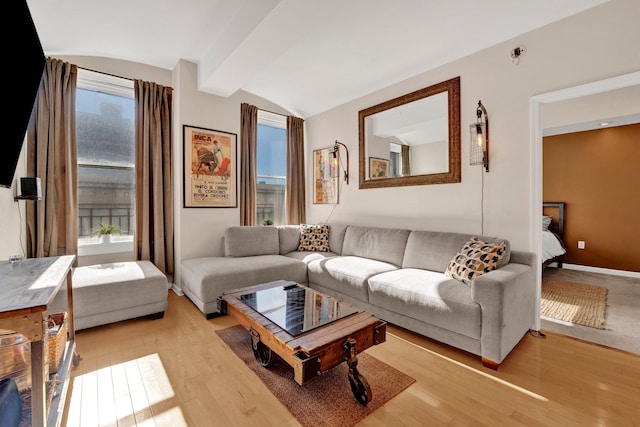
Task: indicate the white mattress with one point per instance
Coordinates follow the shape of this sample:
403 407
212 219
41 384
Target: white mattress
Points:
551 246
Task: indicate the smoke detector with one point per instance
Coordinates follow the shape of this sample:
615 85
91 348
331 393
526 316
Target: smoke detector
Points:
516 53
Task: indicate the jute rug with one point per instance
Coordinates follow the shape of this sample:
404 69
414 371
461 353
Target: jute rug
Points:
327 400
573 302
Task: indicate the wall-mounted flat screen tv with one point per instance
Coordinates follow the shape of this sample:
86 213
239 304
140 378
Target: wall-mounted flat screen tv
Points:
25 61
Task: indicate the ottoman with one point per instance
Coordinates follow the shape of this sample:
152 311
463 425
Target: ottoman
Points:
107 293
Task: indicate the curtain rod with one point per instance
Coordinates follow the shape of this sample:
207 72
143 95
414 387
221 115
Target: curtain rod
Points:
106 74
272 112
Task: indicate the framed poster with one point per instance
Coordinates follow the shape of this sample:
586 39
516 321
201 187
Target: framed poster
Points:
325 177
378 168
210 178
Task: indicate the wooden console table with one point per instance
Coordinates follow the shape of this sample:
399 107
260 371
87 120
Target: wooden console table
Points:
27 289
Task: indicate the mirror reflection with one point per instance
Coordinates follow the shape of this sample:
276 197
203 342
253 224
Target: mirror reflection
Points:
413 139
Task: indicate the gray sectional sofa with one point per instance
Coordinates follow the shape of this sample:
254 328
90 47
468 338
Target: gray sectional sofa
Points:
396 274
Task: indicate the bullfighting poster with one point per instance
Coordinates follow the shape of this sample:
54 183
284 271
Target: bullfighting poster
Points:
210 179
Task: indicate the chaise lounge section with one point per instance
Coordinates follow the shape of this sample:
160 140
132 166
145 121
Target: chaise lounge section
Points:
401 276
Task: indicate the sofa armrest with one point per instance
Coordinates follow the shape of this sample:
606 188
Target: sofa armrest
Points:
507 300
526 258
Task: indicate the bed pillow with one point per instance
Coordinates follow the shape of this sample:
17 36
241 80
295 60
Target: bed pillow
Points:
546 222
314 238
474 259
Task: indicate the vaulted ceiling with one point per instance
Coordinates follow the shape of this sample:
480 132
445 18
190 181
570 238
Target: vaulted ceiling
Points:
305 55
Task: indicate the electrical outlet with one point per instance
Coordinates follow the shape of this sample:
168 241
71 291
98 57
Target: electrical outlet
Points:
581 244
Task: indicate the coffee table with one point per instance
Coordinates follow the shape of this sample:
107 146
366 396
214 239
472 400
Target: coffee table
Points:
310 331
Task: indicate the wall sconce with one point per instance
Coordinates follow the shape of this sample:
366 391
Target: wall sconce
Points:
336 153
480 139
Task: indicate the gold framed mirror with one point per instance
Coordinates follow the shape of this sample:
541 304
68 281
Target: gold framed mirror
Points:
416 135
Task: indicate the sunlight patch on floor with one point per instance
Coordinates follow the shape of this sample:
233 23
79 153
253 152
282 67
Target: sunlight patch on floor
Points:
136 392
484 374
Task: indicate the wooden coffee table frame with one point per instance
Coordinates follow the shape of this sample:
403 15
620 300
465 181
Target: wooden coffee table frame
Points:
314 352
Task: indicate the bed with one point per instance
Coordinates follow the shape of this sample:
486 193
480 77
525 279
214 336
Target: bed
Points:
553 247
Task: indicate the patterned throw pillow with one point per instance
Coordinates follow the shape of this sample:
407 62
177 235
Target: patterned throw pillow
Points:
314 238
474 259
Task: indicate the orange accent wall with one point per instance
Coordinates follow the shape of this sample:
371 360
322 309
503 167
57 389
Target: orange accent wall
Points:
597 174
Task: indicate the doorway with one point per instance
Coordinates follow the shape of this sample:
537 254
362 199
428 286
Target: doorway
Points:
537 103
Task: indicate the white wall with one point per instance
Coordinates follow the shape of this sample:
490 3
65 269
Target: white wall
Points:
12 215
199 231
606 105
598 43
431 157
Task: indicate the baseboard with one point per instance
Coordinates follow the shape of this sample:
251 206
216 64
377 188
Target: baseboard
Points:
177 290
601 270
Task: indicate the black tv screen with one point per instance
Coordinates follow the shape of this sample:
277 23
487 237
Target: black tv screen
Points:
27 59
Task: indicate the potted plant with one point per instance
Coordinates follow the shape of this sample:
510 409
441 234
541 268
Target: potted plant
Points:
105 231
267 221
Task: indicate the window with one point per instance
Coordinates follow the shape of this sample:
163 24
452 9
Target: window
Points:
394 164
105 125
271 173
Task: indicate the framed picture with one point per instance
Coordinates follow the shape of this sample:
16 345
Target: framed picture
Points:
378 168
325 177
210 178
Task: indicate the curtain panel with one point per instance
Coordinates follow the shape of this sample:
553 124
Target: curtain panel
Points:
154 195
295 203
52 223
406 160
248 166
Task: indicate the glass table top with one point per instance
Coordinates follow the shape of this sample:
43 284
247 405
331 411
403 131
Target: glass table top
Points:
297 309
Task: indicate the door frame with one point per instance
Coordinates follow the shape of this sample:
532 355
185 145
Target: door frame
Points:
537 102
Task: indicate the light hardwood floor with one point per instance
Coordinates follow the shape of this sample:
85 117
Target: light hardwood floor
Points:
177 372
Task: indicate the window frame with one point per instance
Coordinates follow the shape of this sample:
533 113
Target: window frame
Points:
268 118
121 87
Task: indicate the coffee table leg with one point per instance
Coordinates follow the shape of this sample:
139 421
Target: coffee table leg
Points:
261 352
359 385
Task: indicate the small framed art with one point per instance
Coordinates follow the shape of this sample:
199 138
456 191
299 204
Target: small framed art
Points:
325 177
378 168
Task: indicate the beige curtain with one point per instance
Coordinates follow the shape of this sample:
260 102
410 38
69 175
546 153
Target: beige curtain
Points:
296 209
52 223
406 161
154 205
249 138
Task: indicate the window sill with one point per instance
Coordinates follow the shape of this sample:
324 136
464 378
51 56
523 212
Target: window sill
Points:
87 247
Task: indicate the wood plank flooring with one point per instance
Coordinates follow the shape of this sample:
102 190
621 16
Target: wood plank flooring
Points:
175 371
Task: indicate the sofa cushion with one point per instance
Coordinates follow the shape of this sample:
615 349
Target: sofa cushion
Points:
314 238
346 274
429 297
307 257
242 241
336 237
474 259
433 250
209 277
289 236
382 244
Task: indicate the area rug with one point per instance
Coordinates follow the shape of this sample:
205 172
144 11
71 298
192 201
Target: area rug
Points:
327 400
573 302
